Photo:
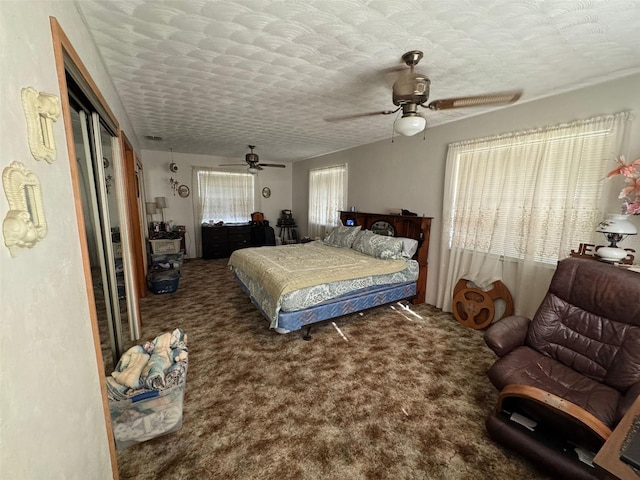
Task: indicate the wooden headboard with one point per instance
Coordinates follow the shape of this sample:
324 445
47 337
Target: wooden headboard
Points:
417 228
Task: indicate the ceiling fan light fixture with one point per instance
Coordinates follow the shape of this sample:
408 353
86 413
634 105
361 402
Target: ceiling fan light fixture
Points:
409 125
252 170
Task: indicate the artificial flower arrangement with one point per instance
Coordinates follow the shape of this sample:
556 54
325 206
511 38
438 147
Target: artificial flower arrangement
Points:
631 192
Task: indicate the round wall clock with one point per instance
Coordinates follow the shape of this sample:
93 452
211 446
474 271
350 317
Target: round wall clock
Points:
183 191
266 192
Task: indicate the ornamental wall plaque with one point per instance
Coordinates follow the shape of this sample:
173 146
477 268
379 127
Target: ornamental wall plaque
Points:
25 224
40 110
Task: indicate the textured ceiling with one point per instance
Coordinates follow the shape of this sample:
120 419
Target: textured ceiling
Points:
210 77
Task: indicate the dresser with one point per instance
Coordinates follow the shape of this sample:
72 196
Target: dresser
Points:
220 242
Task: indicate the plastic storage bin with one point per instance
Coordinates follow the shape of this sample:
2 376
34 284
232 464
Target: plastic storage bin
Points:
166 260
147 415
165 245
163 281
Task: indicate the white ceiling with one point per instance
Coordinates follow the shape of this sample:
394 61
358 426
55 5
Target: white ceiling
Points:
210 77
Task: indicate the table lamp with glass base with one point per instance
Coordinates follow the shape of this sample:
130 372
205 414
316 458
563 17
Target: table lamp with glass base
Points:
615 228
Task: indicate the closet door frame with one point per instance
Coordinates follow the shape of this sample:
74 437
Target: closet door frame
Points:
134 198
64 52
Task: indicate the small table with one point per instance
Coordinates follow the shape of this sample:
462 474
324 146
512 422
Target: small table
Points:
286 234
607 460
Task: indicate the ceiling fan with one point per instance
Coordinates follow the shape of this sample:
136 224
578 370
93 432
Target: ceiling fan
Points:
253 162
411 91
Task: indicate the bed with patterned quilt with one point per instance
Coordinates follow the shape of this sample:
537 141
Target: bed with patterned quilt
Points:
296 285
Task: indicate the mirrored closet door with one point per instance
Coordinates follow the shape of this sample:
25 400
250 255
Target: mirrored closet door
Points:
97 154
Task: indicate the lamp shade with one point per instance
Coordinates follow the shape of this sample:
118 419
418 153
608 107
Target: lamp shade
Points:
409 125
617 223
151 208
161 202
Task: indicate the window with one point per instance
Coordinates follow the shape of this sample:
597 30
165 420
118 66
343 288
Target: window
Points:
225 196
327 196
530 193
517 203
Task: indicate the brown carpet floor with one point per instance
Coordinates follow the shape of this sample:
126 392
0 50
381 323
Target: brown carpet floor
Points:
401 398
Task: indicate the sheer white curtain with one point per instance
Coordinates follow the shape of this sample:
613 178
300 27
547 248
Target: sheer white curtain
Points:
515 204
221 196
327 196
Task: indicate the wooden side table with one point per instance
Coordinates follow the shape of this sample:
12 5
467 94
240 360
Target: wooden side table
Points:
607 460
287 234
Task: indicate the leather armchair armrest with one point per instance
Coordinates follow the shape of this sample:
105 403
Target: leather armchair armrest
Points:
627 400
558 405
507 334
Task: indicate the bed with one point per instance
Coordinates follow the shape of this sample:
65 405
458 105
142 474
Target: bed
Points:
375 260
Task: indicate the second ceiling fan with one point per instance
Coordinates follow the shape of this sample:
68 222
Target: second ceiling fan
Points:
253 162
411 91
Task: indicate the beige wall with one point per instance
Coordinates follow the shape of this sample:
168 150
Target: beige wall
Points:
409 173
180 210
52 419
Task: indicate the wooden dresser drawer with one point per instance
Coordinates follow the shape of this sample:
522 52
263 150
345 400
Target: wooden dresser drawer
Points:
220 242
239 237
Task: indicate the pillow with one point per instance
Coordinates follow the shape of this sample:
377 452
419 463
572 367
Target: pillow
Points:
378 246
342 236
409 246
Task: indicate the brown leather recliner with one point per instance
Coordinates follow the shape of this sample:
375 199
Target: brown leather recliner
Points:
574 369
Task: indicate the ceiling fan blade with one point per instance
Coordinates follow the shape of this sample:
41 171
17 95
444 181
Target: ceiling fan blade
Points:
358 115
233 165
272 165
476 101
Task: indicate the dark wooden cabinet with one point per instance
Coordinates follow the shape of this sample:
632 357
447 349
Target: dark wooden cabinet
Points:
220 242
238 237
214 242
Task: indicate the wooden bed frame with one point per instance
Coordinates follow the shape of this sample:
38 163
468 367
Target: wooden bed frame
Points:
418 228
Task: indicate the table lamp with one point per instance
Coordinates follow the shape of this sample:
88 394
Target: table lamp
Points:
161 203
151 210
615 228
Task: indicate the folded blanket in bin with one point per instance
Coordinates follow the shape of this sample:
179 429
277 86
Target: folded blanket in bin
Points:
152 366
159 363
130 367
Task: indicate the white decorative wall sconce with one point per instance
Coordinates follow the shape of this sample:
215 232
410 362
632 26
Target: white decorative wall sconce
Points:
25 224
40 110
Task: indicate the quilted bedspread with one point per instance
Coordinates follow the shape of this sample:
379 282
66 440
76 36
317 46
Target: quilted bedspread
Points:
288 268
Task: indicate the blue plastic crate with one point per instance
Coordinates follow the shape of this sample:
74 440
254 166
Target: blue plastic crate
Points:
165 281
